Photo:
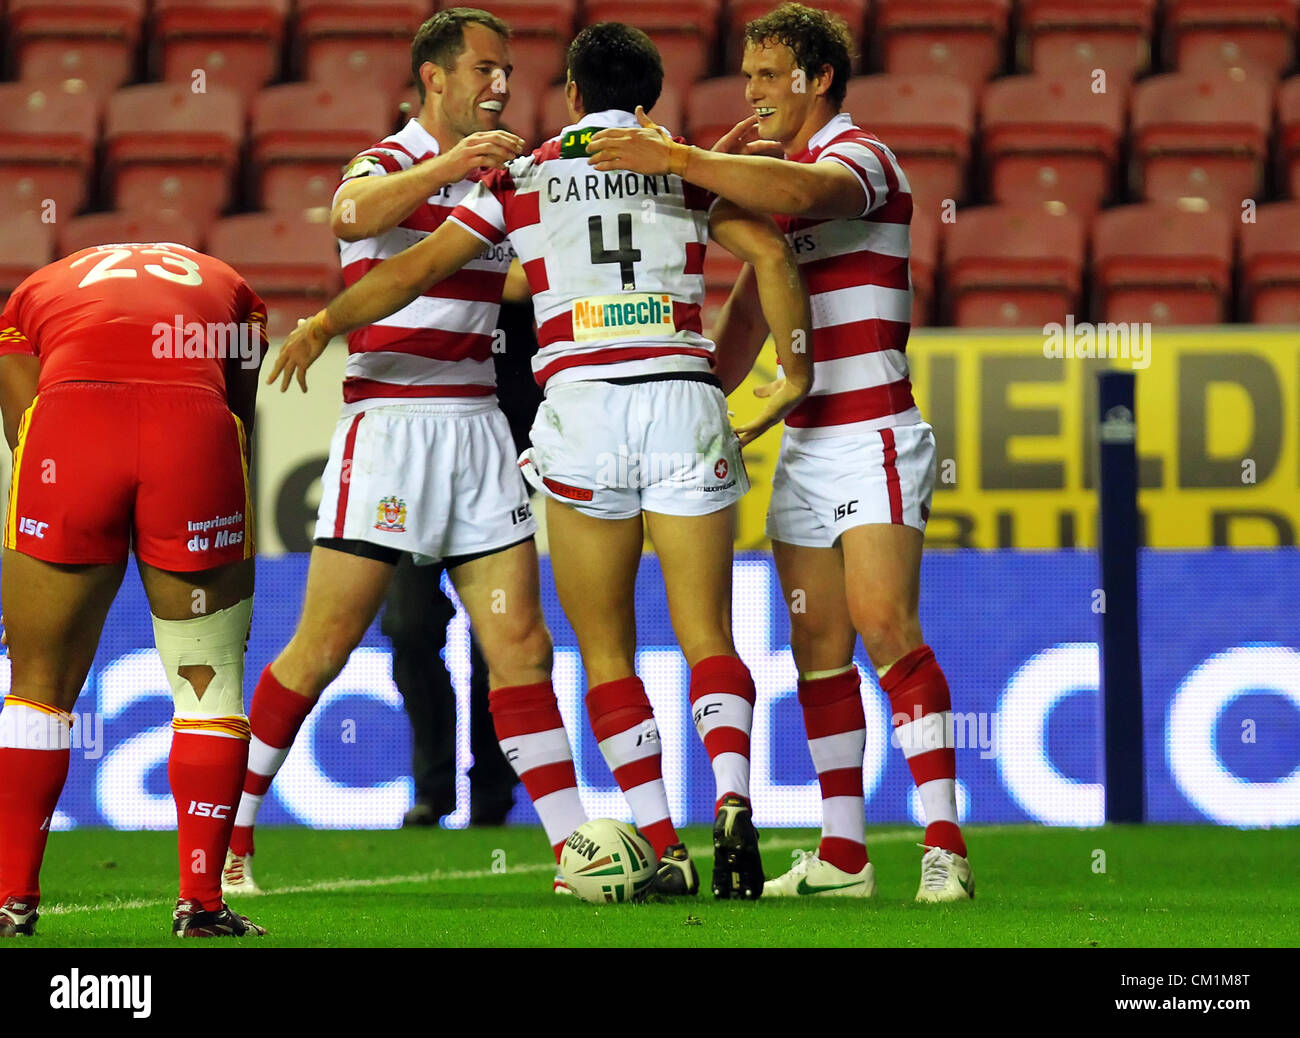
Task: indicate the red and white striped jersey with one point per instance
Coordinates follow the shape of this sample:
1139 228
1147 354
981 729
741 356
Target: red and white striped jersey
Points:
860 288
615 260
439 345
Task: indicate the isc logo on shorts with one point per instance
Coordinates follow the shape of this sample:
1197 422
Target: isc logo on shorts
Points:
626 316
31 526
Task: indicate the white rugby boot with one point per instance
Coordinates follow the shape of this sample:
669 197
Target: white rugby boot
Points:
945 877
812 877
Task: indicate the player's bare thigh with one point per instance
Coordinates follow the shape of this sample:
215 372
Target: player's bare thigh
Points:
343 596
594 562
501 592
53 617
695 555
822 635
882 580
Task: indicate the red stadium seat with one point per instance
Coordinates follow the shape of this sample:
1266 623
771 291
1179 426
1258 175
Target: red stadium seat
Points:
1062 37
1201 137
358 42
1256 36
236 43
48 133
1051 140
1013 267
291 263
685 31
1270 265
91 40
302 135
540 31
1288 145
742 12
960 38
166 147
927 121
1162 264
924 262
553 116
82 232
26 245
713 107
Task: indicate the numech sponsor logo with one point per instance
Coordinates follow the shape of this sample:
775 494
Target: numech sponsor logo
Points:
623 316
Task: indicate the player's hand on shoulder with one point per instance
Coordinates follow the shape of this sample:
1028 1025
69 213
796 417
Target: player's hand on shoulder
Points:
743 139
299 351
490 149
644 149
782 396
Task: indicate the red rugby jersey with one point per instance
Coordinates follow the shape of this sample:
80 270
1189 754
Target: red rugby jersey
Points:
136 312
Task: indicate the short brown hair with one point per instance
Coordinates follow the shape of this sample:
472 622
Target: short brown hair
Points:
442 38
817 39
616 66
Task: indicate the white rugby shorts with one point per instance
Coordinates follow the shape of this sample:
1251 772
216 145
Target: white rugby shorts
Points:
435 480
613 451
826 485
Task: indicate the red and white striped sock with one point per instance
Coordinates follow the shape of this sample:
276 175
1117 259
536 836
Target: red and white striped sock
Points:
837 740
35 749
205 770
922 706
624 726
275 716
722 704
532 736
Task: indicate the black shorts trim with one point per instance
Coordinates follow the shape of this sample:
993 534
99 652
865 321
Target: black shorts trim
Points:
668 376
363 549
452 561
392 556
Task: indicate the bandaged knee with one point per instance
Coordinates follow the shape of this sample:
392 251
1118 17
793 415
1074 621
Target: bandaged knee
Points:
215 641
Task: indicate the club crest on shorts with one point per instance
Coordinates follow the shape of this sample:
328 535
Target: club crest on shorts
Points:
720 469
391 515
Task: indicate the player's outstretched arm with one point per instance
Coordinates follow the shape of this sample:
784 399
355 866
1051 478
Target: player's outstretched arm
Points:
367 205
740 332
784 302
824 190
383 291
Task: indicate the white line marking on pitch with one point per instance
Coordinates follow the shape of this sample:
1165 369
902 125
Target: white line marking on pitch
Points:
327 885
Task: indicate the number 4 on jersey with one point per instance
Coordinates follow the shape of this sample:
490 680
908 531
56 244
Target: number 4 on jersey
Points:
625 255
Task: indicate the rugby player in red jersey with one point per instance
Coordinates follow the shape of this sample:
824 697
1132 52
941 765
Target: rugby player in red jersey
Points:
422 459
634 426
143 360
851 493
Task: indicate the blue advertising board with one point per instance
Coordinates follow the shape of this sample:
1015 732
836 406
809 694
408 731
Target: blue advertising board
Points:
1015 633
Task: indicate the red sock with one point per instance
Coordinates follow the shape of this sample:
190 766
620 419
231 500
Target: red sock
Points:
922 705
837 739
30 784
624 725
275 716
722 705
205 773
532 736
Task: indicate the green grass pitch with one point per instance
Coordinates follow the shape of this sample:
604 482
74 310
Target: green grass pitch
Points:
1037 887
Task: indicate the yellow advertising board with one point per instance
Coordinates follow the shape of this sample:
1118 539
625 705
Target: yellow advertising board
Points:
1218 418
